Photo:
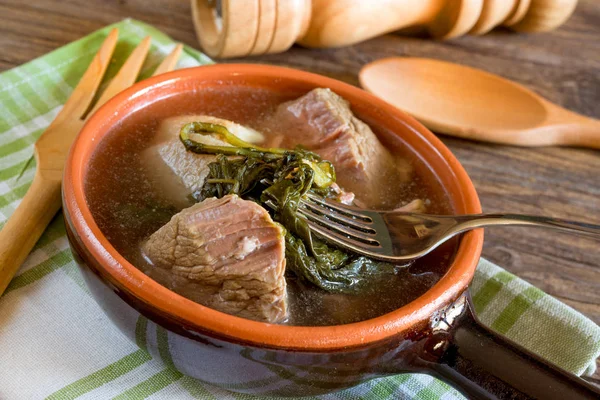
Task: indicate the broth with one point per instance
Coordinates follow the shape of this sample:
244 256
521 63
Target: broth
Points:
128 208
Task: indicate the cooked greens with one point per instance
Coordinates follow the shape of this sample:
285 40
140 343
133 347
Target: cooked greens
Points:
242 168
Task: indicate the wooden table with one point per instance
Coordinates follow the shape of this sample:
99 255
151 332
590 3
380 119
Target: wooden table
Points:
563 66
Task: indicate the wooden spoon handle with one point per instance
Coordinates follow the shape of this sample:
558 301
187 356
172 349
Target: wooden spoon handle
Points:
26 225
568 128
585 133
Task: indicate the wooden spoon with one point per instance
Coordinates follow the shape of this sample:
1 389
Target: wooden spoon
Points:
470 103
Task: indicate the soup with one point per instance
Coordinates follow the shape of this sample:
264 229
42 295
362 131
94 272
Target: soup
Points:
130 206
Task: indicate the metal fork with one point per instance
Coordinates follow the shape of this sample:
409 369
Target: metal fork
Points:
401 237
42 200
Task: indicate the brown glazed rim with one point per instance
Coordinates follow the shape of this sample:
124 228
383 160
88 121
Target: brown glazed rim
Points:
184 312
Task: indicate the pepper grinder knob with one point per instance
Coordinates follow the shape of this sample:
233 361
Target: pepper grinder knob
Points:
230 28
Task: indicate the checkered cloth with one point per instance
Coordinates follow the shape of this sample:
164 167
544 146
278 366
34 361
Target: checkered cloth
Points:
55 341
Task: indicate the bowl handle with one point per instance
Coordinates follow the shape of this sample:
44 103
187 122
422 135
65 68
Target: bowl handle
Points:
485 365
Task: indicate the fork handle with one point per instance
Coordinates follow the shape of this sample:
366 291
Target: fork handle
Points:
26 225
468 222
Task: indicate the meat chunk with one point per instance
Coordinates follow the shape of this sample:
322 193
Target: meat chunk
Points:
323 122
226 254
181 172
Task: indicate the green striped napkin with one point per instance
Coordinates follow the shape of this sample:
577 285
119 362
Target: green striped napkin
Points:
55 341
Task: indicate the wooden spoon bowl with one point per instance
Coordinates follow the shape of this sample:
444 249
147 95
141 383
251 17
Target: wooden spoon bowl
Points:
470 103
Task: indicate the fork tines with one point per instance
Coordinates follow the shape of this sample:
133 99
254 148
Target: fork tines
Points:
335 221
338 221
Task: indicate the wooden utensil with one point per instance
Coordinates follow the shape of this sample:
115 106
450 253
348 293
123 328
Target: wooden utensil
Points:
43 199
470 103
228 28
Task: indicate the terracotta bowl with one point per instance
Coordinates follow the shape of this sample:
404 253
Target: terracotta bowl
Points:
249 356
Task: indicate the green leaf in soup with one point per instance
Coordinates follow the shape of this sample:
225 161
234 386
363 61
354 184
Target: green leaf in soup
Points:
242 168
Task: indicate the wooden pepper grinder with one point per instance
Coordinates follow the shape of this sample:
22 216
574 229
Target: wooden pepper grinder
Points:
239 28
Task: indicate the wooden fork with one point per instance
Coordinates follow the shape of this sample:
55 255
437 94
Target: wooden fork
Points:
43 199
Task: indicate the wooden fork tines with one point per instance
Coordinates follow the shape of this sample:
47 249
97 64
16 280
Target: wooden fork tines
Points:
43 199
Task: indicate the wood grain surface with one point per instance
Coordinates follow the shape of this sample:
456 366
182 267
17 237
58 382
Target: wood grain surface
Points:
563 66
